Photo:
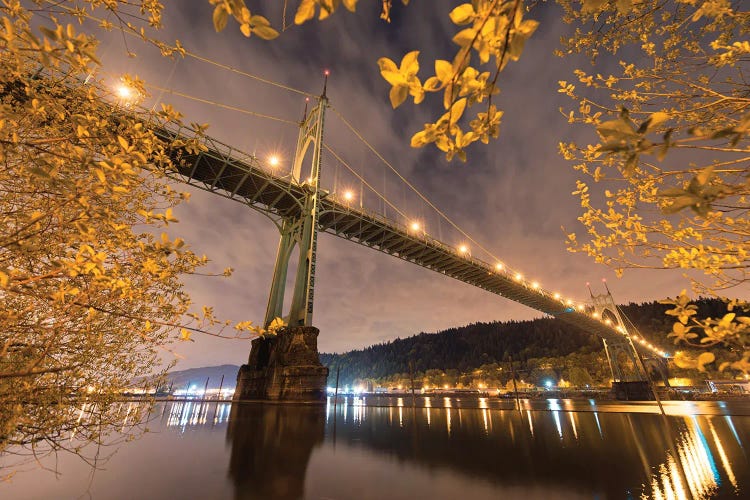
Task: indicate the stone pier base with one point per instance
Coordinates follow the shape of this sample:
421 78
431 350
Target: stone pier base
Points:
285 367
632 391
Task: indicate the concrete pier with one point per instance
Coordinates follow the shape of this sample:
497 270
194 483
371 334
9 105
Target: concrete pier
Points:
285 367
632 391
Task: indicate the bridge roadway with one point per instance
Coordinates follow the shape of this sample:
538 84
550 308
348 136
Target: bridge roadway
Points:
233 174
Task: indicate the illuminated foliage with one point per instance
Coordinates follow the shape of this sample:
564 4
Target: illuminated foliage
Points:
90 280
492 32
672 155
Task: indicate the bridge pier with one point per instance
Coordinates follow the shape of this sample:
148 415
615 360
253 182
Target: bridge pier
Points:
285 367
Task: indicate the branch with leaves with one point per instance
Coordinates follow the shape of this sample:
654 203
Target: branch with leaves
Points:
673 152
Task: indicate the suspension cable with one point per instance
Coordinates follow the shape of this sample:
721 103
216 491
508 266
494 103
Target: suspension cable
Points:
221 105
411 186
369 186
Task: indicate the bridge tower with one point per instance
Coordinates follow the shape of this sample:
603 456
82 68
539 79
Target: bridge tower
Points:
286 366
630 380
301 230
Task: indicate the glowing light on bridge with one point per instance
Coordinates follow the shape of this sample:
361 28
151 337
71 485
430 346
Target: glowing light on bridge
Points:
499 266
274 160
463 249
415 226
348 195
556 296
124 92
535 285
518 276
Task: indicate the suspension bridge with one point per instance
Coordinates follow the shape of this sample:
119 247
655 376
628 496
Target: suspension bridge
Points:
300 207
242 177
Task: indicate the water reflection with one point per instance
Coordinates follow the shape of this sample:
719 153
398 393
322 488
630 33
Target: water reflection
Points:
438 448
696 465
196 413
683 457
271 447
611 455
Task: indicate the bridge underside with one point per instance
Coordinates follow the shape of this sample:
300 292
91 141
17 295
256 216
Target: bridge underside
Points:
238 176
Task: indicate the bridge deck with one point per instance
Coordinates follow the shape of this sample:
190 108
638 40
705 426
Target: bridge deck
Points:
233 174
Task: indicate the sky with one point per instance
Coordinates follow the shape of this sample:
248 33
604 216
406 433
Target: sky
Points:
512 196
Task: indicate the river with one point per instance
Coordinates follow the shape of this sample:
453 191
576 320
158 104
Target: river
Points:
394 448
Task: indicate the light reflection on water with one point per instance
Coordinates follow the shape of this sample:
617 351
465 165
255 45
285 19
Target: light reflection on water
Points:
196 413
480 448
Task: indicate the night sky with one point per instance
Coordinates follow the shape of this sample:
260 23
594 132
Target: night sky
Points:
513 196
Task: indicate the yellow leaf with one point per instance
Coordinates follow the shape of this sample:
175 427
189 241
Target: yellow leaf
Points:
410 63
704 359
305 11
123 142
398 95
443 70
4 279
220 17
394 78
464 37
657 119
457 110
245 29
726 320
185 334
275 325
266 32
462 14
432 83
386 64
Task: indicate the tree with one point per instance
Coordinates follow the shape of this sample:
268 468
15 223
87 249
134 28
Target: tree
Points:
90 280
580 377
673 151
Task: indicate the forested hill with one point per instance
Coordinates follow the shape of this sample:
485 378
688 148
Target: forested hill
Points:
471 346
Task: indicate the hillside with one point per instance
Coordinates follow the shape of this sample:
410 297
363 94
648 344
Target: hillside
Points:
545 345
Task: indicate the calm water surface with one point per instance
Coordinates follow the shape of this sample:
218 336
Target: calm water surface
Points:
441 448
